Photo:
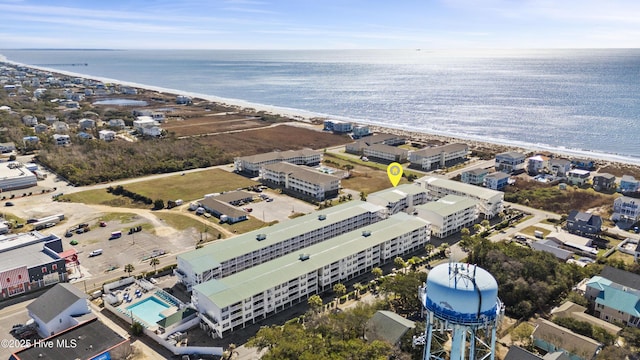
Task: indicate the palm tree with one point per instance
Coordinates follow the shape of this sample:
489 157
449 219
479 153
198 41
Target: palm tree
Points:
429 248
377 272
339 289
154 262
315 302
399 262
363 196
129 268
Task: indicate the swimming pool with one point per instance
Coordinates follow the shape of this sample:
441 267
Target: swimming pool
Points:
148 310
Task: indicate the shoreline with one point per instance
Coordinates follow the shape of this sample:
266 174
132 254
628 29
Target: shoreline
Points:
309 116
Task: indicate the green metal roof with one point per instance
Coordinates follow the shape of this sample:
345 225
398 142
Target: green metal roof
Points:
399 192
212 255
617 298
242 285
448 205
472 190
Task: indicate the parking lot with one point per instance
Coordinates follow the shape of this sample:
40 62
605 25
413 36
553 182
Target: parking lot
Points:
10 315
279 209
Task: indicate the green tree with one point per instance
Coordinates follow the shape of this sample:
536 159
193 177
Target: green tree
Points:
136 328
129 268
154 262
522 333
485 224
376 272
429 248
339 289
158 204
363 196
399 263
315 302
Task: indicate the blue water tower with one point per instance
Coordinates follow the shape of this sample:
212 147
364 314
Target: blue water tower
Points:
461 301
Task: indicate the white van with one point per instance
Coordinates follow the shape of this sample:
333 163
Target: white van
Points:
95 253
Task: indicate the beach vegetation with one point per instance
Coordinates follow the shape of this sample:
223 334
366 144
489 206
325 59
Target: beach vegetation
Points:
550 198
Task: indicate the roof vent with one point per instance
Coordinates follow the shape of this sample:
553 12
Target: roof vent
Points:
322 217
304 257
261 237
366 233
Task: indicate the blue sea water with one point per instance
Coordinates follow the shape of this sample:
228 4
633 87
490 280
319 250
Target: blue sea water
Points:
575 100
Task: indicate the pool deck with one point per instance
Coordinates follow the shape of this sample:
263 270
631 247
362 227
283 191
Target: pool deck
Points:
135 294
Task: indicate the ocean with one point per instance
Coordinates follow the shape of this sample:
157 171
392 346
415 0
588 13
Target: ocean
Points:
581 102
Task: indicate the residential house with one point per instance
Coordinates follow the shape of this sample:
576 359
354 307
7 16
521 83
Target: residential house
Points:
107 135
158 116
626 208
497 180
509 162
69 104
387 326
50 119
336 126
537 164
84 136
252 164
583 164
29 120
58 309
28 141
615 296
85 124
385 153
603 181
474 176
490 202
360 132
518 353
127 90
61 139
559 167
550 337
552 248
183 100
578 312
7 147
400 198
117 124
40 128
60 126
439 157
449 214
578 177
578 244
301 181
583 223
146 126
636 254
628 184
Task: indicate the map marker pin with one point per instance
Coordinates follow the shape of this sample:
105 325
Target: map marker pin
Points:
394 171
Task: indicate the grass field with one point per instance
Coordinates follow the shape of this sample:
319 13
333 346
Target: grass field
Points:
181 222
190 186
618 255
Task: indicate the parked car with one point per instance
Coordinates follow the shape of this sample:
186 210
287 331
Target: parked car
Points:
8 203
95 253
103 224
269 200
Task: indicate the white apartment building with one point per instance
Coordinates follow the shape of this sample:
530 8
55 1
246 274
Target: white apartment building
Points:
626 208
490 202
449 214
254 294
400 198
252 164
301 180
438 157
385 153
227 257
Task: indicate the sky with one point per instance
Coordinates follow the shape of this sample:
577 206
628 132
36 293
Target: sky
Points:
319 24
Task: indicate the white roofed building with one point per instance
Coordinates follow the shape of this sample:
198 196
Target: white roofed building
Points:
400 198
449 214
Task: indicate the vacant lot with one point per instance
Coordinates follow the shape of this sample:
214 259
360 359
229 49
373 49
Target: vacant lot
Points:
212 123
190 186
283 137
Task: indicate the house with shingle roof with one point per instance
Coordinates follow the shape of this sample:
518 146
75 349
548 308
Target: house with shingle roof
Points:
387 326
58 309
550 337
603 181
584 223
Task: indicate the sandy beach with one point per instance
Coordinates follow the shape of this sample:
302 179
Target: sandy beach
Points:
311 117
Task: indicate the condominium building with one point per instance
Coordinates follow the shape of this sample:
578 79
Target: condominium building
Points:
399 198
439 156
358 147
385 153
449 214
224 258
301 180
254 294
490 202
251 165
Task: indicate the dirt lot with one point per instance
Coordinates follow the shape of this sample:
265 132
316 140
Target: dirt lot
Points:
212 123
282 137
